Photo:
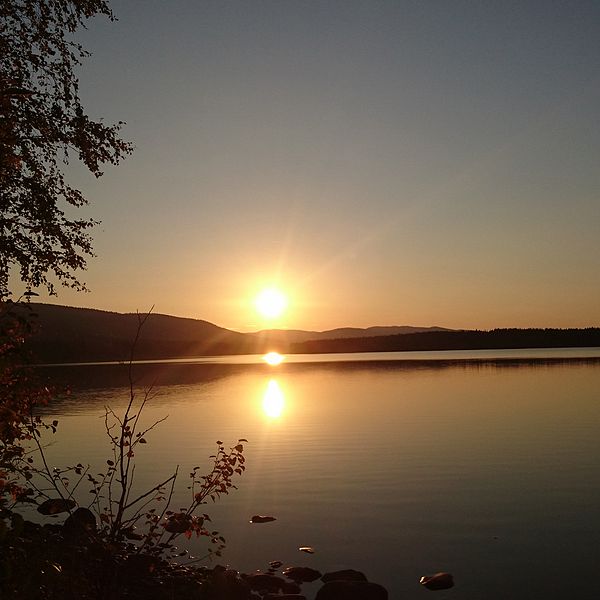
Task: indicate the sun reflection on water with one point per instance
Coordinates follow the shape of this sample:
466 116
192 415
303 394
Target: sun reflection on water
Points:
273 358
273 400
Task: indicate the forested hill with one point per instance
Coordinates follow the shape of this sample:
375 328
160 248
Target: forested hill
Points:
458 340
67 334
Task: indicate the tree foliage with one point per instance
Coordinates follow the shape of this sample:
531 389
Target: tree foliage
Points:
42 125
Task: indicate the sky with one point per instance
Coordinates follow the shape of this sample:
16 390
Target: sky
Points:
382 163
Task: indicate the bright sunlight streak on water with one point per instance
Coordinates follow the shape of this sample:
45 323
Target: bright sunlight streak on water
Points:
273 358
273 400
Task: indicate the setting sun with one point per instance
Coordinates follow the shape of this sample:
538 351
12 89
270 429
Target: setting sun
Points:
270 303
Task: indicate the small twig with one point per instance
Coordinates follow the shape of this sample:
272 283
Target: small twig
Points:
43 456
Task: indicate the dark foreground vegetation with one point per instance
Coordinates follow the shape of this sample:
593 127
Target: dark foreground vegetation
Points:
85 532
71 562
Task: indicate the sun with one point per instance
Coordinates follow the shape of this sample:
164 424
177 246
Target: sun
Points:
271 303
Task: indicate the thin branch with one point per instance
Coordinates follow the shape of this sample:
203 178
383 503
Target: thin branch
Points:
154 489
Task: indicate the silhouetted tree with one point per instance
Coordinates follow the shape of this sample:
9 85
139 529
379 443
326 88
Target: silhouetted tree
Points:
42 125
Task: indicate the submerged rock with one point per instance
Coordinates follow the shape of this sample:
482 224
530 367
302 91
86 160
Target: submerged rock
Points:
439 581
352 590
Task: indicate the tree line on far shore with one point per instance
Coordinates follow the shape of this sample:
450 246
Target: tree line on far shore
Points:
458 340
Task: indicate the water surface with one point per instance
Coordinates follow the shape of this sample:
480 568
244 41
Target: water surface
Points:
486 466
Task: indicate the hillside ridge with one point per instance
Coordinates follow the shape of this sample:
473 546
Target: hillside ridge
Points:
74 334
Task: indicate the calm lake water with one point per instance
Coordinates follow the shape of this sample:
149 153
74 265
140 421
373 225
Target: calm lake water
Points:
484 464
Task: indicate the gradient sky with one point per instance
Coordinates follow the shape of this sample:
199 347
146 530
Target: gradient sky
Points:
422 163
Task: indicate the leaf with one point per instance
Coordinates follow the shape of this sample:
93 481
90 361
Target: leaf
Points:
142 441
178 523
307 549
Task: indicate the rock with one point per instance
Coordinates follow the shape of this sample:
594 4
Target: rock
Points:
283 597
439 581
307 549
301 574
265 581
351 590
262 519
56 505
290 587
81 523
141 564
275 564
344 575
226 583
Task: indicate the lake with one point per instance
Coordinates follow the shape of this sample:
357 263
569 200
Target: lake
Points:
484 464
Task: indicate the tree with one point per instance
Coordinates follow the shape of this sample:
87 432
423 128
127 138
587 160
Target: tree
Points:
42 125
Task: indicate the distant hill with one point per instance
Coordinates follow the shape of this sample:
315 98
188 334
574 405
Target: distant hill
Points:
351 332
292 336
67 334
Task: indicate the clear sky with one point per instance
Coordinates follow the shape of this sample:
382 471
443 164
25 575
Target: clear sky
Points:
422 163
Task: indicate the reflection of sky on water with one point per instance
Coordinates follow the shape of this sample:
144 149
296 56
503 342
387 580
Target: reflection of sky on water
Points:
467 467
273 400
